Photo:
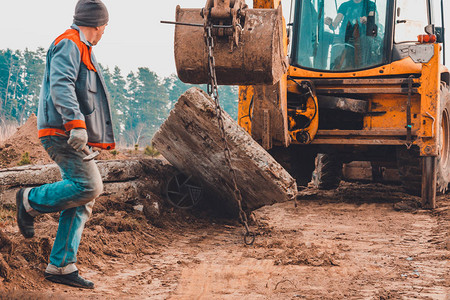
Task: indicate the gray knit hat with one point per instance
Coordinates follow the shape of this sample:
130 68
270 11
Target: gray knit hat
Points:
91 13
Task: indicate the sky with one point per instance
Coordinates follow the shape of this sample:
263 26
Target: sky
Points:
133 38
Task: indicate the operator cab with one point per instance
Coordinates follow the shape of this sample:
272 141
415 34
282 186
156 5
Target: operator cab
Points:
414 20
351 35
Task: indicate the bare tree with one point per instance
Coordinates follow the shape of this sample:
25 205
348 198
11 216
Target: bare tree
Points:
138 133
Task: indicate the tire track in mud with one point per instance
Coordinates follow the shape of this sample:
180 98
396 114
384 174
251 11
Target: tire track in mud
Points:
340 250
380 251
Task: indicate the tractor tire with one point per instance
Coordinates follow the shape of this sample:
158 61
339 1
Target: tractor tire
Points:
297 160
443 160
328 171
410 163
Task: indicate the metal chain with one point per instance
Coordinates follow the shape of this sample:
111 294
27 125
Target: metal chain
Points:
212 89
409 142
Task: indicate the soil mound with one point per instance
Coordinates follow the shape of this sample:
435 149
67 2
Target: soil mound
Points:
116 230
24 147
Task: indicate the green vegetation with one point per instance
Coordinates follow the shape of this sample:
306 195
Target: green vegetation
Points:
25 160
151 151
7 213
140 102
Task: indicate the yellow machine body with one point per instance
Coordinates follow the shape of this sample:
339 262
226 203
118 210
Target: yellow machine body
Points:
390 93
348 95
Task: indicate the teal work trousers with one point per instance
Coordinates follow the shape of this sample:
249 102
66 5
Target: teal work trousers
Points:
73 196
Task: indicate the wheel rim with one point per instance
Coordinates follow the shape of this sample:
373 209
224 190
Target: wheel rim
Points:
183 192
445 131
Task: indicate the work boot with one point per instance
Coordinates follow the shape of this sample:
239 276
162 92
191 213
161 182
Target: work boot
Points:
72 279
24 220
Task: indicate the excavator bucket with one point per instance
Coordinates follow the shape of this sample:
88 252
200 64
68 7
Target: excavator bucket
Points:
258 58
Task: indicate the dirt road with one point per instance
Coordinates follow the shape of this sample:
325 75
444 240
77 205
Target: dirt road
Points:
344 244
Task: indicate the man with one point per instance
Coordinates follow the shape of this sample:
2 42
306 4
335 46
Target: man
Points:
73 112
351 12
352 46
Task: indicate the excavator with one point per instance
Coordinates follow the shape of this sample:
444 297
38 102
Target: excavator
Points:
342 81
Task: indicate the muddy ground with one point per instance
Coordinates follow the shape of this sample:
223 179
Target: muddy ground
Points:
362 241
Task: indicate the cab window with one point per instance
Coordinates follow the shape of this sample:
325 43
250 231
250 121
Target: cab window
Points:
410 20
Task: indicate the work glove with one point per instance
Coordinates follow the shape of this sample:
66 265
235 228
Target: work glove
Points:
78 139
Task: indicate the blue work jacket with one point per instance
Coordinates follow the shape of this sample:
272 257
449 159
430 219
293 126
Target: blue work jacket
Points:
73 93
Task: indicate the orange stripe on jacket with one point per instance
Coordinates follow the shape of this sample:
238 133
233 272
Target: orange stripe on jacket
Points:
74 35
60 132
74 124
51 131
103 145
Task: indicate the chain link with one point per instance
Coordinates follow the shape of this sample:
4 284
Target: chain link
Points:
409 142
213 91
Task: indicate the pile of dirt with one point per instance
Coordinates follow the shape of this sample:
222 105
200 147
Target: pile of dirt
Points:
117 229
24 148
109 155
